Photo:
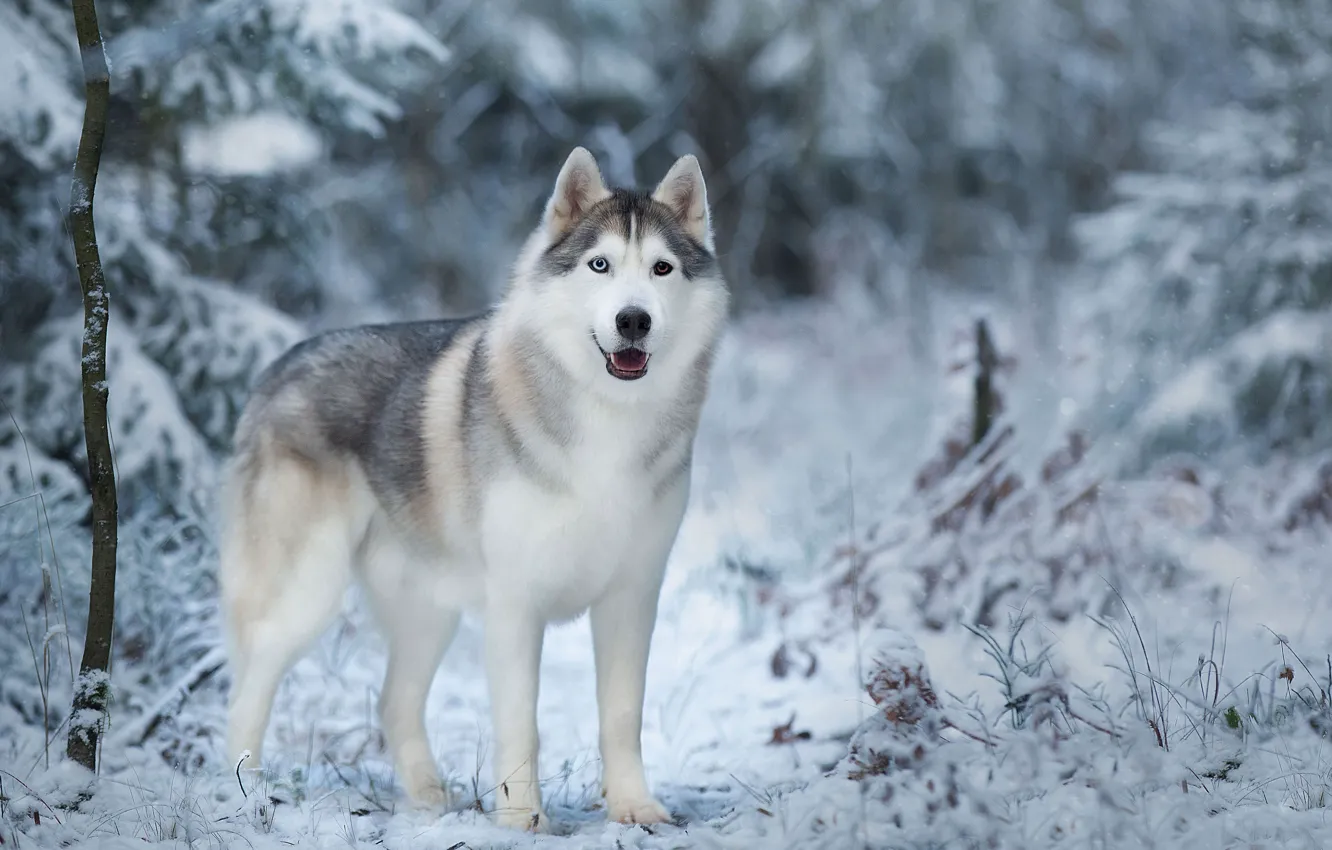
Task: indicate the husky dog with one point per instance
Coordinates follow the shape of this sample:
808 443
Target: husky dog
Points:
528 464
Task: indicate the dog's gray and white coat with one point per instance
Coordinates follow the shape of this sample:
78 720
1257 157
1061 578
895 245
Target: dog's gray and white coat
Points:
529 464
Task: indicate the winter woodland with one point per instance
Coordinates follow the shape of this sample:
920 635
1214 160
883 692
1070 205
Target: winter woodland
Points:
1104 624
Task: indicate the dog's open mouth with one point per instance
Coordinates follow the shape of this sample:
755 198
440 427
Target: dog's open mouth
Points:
627 364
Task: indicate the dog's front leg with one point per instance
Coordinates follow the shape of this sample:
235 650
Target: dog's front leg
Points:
513 659
622 625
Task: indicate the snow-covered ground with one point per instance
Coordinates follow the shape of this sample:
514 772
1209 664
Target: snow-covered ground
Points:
1087 731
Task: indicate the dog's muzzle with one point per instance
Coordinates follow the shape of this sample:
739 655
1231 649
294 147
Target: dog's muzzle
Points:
627 364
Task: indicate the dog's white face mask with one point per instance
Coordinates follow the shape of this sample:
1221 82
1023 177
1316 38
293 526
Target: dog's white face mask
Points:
624 285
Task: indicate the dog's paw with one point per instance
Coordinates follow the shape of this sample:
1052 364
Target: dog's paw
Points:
429 796
424 788
637 810
523 820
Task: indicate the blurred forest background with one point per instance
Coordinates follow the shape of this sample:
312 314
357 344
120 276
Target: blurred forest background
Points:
1139 190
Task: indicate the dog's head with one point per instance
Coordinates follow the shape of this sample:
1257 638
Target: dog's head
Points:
623 286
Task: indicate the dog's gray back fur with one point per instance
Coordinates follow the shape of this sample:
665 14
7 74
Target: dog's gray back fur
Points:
352 394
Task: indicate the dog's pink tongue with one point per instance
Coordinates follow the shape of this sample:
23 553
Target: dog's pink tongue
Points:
629 360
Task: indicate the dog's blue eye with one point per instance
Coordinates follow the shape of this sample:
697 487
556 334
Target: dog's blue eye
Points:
598 265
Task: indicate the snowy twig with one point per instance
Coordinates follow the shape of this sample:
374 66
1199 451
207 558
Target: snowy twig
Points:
240 761
32 793
201 672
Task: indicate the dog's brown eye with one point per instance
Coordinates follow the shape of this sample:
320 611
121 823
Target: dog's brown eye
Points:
662 268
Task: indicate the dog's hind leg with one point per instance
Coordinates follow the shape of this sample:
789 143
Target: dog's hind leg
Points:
419 634
285 566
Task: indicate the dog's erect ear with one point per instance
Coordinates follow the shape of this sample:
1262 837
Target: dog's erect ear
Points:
577 189
683 191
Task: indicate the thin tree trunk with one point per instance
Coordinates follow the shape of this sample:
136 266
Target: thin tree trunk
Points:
983 408
92 690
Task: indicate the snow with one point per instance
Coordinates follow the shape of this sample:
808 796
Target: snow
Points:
544 57
366 29
786 56
609 69
346 58
1208 392
252 145
36 109
1200 390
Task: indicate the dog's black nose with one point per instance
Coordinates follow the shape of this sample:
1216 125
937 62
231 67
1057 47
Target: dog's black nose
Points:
633 323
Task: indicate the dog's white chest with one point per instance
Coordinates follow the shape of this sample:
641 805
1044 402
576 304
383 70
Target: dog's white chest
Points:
560 548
